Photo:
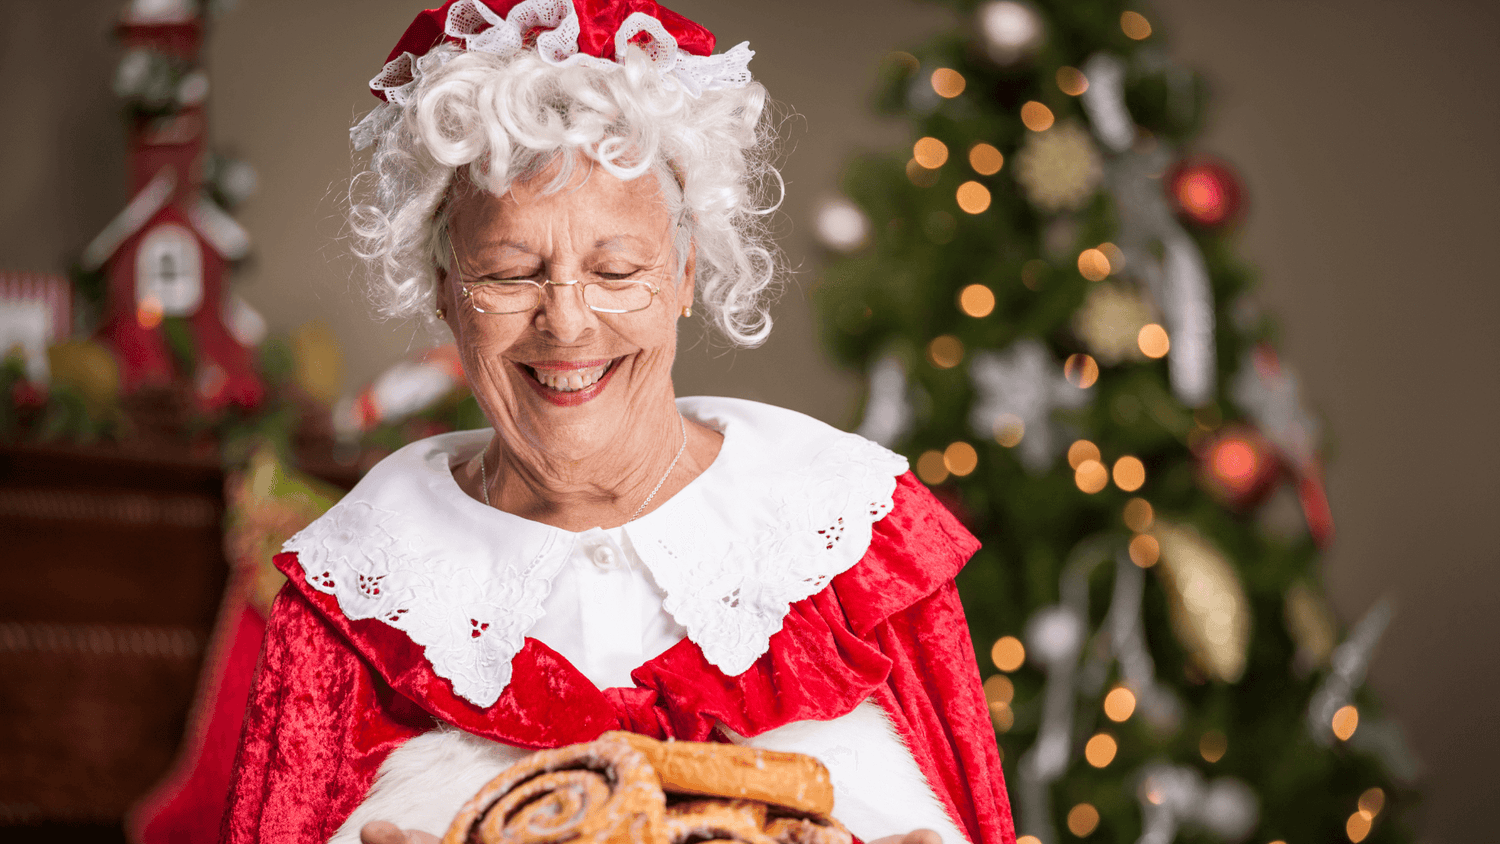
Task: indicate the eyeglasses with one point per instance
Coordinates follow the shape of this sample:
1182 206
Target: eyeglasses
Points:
517 296
606 296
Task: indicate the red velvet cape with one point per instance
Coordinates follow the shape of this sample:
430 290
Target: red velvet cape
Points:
334 697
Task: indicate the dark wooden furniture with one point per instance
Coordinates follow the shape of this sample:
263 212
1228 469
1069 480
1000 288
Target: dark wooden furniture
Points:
111 571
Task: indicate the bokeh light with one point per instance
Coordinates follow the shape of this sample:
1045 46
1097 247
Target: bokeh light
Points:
1002 716
1372 801
1345 722
1144 550
1100 750
1071 81
1080 451
1009 429
973 197
1358 826
1081 370
1007 653
149 312
930 153
1091 476
931 468
960 458
1129 473
920 176
1115 254
985 159
999 689
1037 117
945 352
976 300
1135 26
1213 745
1119 704
1093 265
1083 819
1139 515
947 82
1153 341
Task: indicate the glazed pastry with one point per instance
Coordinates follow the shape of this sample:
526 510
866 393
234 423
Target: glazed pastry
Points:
790 780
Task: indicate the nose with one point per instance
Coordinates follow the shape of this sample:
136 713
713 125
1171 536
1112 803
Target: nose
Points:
563 315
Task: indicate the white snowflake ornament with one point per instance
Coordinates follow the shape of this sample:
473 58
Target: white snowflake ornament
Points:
1023 385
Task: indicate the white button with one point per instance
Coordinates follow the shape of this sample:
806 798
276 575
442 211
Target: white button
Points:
604 557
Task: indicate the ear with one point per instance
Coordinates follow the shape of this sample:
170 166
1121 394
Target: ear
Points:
688 284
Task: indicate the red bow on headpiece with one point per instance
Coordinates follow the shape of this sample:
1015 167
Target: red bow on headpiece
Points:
597 24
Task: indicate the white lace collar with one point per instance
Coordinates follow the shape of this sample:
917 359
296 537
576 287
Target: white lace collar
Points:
788 504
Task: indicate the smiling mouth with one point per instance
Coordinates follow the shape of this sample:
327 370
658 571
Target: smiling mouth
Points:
567 382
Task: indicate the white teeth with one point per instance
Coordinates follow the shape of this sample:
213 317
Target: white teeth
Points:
570 380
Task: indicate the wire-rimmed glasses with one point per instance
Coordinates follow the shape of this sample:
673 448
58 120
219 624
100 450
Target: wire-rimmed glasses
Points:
515 296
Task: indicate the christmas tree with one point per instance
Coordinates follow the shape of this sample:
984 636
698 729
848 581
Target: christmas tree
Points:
1044 292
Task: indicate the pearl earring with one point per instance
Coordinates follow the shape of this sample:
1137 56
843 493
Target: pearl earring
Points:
442 313
687 310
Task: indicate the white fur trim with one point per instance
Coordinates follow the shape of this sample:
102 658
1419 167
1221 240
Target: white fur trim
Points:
878 790
424 782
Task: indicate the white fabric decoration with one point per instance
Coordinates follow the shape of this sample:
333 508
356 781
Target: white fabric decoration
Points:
788 504
480 29
1027 383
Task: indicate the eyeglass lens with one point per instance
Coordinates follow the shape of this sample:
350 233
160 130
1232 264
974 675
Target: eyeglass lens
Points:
611 297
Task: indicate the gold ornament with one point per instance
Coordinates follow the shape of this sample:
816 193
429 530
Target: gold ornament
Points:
319 361
267 503
1059 169
1109 321
1206 601
89 368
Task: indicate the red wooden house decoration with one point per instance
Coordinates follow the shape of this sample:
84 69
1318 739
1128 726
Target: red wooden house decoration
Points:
166 254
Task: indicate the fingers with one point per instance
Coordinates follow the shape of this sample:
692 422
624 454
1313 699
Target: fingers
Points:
381 832
922 836
385 832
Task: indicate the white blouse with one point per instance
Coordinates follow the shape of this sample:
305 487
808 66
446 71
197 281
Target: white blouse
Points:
787 504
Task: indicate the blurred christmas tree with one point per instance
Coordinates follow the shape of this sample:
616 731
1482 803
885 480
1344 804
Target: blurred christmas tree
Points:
1045 295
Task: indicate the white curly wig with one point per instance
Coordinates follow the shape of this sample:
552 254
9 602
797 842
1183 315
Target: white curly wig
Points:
497 119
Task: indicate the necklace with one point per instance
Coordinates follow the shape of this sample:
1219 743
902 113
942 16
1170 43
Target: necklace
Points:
484 474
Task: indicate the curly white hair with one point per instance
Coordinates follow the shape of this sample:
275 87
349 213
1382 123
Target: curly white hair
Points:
503 118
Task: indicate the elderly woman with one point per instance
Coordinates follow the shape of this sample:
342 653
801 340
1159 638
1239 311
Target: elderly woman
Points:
560 184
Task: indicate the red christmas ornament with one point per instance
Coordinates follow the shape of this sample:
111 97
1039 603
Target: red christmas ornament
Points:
1206 192
1239 467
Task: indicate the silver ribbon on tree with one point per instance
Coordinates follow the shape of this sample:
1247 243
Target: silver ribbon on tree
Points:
1156 248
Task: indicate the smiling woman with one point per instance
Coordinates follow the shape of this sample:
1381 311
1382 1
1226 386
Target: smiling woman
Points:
558 182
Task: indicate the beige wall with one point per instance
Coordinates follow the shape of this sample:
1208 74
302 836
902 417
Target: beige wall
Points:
1364 131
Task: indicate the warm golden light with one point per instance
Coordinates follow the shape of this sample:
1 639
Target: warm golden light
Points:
931 469
1008 653
1145 550
1028 839
1037 117
973 197
1093 265
1212 746
1135 26
1009 429
1115 254
1081 370
1083 819
1071 81
947 82
999 689
1119 704
1100 750
1345 722
1357 827
1153 341
960 458
1091 476
1002 716
976 300
930 153
1080 451
148 312
945 352
1372 801
1139 515
919 175
985 159
1129 473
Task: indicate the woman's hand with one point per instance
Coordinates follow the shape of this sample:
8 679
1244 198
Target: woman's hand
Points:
916 836
385 832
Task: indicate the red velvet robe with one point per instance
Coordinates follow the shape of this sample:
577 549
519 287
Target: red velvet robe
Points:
334 697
